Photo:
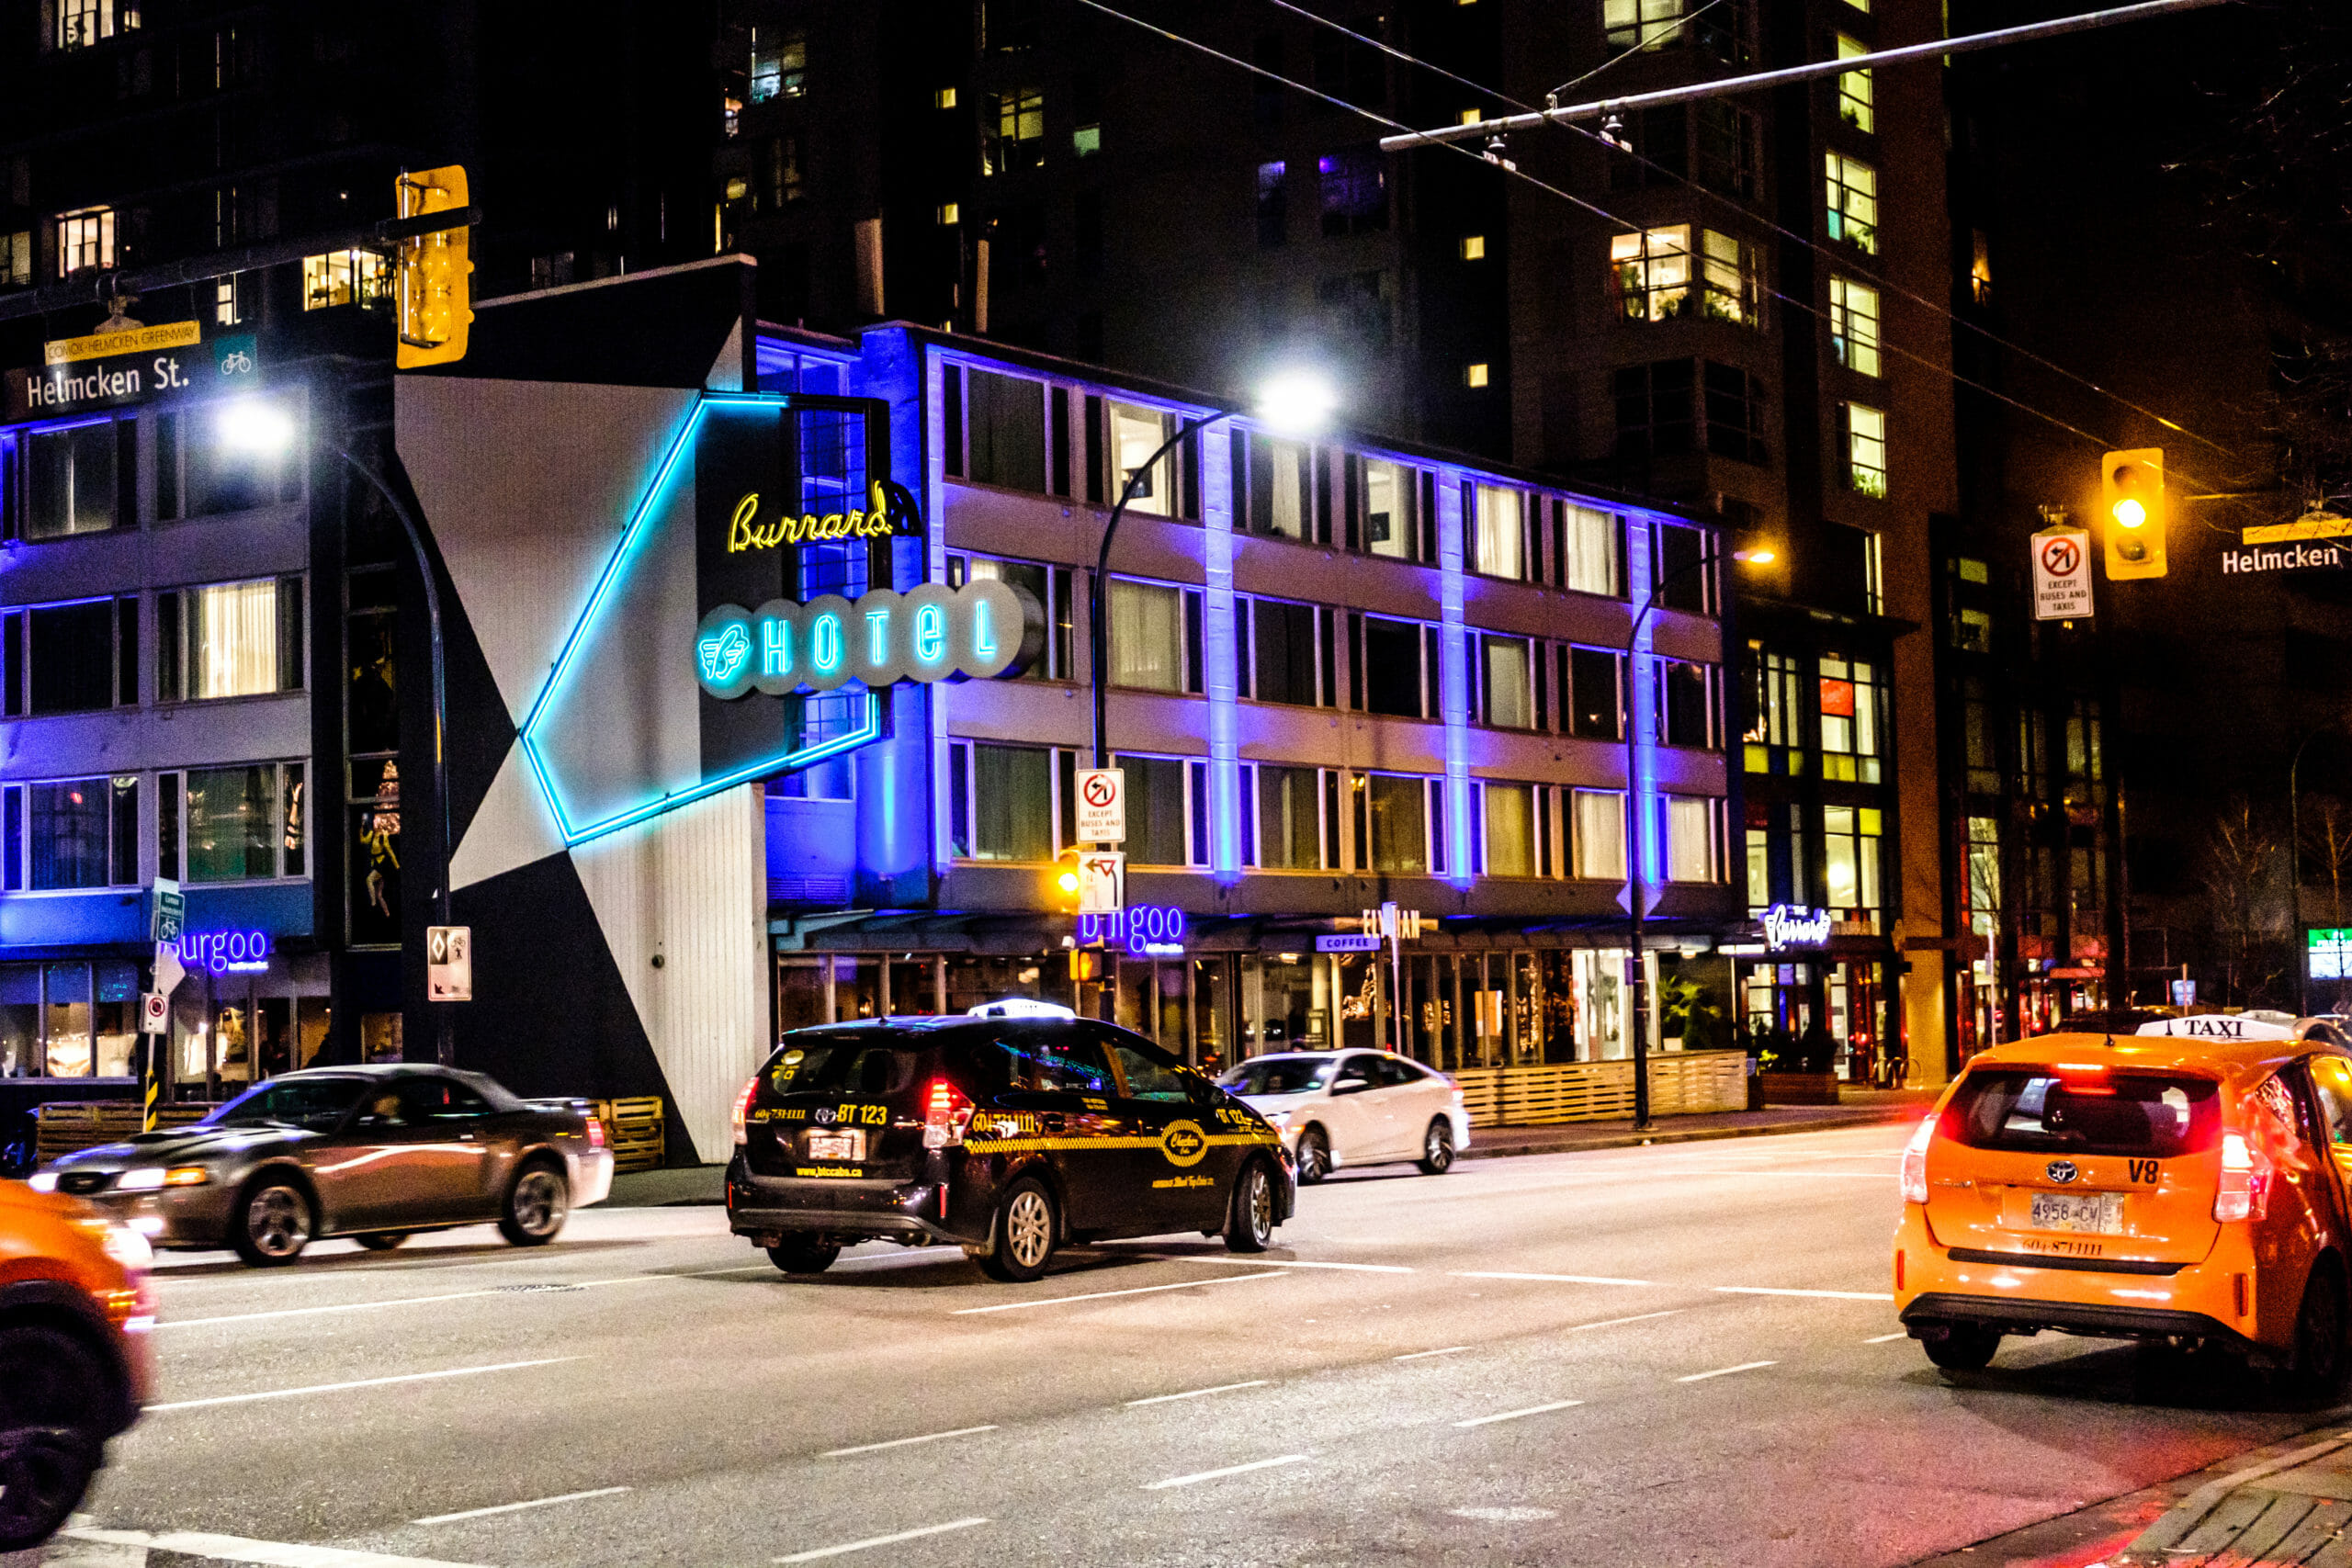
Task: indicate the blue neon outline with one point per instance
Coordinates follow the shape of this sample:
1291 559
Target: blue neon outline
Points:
632 535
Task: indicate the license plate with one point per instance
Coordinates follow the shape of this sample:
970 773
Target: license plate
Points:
2100 1214
848 1145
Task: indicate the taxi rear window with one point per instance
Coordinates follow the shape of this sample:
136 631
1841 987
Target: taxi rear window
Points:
861 1063
2037 1111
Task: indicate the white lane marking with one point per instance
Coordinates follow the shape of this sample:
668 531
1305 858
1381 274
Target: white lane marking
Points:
846 1547
1823 1296
237 1549
518 1507
1898 1334
1199 1392
1220 1474
1282 1263
1107 1296
1769 1171
448 1296
1505 1515
1613 1322
359 1382
1515 1414
1727 1371
902 1442
1416 1355
1547 1279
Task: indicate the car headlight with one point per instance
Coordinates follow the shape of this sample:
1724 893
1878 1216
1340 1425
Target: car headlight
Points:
43 1181
128 1248
151 1179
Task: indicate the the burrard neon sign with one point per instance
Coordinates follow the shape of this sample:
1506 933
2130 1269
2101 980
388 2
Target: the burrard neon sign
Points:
888 513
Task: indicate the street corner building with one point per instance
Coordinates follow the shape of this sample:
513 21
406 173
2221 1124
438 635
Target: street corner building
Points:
766 683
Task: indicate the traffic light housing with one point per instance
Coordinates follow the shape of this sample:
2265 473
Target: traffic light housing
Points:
1063 893
432 281
2132 506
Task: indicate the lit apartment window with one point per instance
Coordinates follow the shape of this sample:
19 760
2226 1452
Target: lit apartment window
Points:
1513 835
342 278
1474 375
1499 526
1652 272
1599 832
1651 24
1980 268
779 66
1473 247
1690 837
1731 278
1850 842
1853 325
1865 449
950 214
943 99
1013 132
1853 201
1855 106
229 639
80 23
225 300
84 238
17 259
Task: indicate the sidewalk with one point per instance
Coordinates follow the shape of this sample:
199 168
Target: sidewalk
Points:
1861 1108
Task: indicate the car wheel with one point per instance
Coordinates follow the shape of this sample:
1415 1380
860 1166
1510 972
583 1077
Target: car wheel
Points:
1026 1226
1250 1224
51 1384
804 1254
536 1206
380 1241
1437 1147
1960 1346
2319 1365
272 1225
1313 1156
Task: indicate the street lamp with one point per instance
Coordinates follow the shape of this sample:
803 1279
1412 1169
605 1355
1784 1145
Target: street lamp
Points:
1291 403
1637 880
264 427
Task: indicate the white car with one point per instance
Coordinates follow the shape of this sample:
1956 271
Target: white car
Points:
1336 1108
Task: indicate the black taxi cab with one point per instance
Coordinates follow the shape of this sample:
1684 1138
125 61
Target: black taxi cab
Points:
1008 1133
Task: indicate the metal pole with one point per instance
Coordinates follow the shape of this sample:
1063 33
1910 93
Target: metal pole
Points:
445 1042
2295 877
1097 608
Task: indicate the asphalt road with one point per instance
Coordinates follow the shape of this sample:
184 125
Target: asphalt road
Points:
1671 1355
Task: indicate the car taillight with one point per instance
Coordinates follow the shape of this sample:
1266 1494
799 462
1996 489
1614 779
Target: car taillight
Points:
744 1110
946 1114
1915 1163
2244 1193
596 1131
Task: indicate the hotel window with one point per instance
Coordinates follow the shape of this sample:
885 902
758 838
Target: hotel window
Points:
1686 704
1499 521
1392 661
1274 206
1853 201
1050 586
1004 419
1391 525
1290 828
74 657
1155 637
242 824
73 833
342 278
1001 802
1689 821
1645 24
1774 739
199 473
1167 809
1855 104
1507 687
69 479
1732 281
1512 814
816 719
84 238
1865 433
1284 653
1682 570
1013 131
1853 325
1850 844
1136 434
80 23
1355 191
1592 682
1599 832
17 259
1398 817
1281 488
779 65
1586 545
229 639
1853 720
1652 272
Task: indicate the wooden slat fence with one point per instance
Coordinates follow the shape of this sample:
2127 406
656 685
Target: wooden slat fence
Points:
1681 1083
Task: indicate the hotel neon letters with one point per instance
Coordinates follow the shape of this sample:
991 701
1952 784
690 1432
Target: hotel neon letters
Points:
984 630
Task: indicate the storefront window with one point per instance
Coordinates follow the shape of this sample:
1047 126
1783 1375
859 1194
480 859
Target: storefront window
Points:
116 1020
20 1021
65 1026
1286 1002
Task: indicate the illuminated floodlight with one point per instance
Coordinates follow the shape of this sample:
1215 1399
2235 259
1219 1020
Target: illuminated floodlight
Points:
1295 403
260 426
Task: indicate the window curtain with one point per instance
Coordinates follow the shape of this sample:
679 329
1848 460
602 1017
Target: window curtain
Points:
233 630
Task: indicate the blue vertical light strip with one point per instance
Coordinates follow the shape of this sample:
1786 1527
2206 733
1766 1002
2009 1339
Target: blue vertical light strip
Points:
933 370
1642 788
1453 675
1222 676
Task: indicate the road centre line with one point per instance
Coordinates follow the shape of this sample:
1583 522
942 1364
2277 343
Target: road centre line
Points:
1727 1371
1898 1334
869 1543
1821 1295
1107 1296
1416 1355
518 1507
1282 1263
358 1382
902 1442
1548 1279
1199 1392
1219 1474
238 1549
1515 1414
447 1296
1613 1322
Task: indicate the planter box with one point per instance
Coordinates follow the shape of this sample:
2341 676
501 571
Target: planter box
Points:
1798 1088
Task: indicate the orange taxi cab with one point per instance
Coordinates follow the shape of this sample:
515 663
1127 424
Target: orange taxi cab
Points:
2187 1184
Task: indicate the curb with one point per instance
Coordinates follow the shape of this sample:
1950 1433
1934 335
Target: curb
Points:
1693 1136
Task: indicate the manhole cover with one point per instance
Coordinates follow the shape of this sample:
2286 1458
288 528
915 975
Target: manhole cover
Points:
1506 1515
533 1290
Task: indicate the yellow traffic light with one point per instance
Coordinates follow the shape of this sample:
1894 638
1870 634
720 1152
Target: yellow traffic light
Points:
2132 489
433 279
1065 890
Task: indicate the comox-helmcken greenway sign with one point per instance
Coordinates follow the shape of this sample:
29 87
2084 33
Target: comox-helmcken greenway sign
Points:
983 630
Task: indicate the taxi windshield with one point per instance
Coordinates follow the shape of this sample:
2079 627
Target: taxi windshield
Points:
1279 1075
2048 1110
318 1104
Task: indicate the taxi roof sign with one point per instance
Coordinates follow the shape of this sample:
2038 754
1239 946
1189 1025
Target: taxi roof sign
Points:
2225 1026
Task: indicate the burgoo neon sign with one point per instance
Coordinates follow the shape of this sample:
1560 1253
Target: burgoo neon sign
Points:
984 629
225 953
1154 930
